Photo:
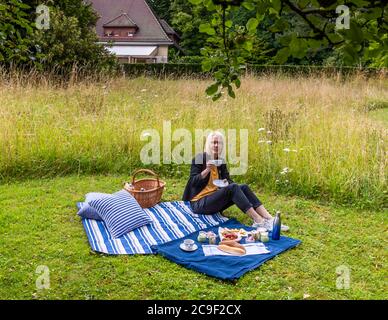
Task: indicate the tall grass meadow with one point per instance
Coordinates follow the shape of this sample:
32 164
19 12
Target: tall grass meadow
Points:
308 135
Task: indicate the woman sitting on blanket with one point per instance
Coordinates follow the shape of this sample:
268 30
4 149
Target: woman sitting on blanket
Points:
206 198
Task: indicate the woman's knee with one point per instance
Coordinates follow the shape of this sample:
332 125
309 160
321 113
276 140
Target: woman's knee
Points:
232 188
244 187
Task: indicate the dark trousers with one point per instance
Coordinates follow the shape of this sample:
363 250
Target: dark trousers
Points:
240 195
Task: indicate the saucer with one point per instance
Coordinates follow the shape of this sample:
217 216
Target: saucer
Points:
220 183
184 248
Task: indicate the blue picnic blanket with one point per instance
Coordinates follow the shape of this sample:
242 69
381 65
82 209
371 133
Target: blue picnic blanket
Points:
170 221
223 267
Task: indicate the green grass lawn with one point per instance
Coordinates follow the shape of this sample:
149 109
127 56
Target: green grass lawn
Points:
39 226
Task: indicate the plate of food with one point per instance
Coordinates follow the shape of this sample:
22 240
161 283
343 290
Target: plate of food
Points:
230 234
221 183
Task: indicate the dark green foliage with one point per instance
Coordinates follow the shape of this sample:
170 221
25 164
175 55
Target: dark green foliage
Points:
15 33
163 69
70 40
178 70
304 31
162 8
186 20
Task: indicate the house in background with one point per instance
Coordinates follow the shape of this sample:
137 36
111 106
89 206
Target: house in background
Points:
131 30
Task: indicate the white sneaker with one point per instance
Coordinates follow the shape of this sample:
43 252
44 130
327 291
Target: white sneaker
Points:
259 225
283 226
268 224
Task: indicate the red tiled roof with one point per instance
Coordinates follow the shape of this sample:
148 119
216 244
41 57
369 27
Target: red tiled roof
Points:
168 28
138 11
121 21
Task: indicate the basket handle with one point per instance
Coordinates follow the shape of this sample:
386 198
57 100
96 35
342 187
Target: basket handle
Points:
146 171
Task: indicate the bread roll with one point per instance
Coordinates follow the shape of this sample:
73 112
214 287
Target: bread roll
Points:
232 250
232 243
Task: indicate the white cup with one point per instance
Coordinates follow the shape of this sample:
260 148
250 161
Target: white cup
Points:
216 162
188 243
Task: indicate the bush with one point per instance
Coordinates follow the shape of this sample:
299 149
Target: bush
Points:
195 70
163 69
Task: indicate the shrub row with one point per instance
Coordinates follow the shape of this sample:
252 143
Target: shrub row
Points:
195 70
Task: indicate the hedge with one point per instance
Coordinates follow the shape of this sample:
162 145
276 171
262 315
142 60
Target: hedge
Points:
177 70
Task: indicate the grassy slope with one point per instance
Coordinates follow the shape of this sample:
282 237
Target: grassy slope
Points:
39 226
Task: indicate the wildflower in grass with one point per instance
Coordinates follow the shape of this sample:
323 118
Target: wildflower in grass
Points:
261 129
269 132
277 181
261 141
156 95
286 149
143 90
286 181
286 170
294 150
146 134
269 142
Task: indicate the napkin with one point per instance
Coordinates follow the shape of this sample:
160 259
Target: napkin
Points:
251 248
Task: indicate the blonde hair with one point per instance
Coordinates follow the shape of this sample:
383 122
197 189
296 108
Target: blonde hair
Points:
209 139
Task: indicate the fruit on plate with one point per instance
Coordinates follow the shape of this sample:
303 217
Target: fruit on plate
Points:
230 236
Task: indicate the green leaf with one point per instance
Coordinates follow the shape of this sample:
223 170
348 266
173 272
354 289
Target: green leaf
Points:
252 24
314 44
206 28
217 96
360 3
276 4
285 40
195 2
354 33
212 89
206 65
231 94
248 5
279 25
282 55
248 45
209 4
237 82
298 47
303 3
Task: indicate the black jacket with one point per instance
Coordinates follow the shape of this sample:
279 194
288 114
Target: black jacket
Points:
196 183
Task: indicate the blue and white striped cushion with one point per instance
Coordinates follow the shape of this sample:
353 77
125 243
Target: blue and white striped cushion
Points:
120 212
88 212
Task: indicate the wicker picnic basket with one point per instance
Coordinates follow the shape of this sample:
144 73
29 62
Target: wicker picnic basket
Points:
148 191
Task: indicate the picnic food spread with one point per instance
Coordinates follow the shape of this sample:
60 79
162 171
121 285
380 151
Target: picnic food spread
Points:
232 234
229 241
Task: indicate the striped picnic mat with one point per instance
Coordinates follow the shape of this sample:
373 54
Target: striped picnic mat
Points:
170 221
